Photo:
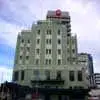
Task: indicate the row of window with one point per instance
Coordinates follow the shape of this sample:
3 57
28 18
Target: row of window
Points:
49 32
47 74
48 61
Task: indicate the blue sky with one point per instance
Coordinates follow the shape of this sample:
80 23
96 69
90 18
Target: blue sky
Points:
16 15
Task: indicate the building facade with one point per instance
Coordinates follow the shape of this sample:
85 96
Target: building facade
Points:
46 55
87 60
97 79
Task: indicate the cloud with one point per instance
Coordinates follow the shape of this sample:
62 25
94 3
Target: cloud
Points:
5 74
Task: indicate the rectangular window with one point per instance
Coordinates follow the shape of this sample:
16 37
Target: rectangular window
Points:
27 57
49 41
49 61
28 41
46 61
59 61
59 51
47 73
16 75
49 51
38 32
38 41
48 32
37 61
58 32
36 74
22 40
73 50
37 51
58 75
28 49
79 75
22 75
71 76
20 57
59 41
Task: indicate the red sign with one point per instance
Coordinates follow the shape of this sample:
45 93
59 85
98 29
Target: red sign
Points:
58 12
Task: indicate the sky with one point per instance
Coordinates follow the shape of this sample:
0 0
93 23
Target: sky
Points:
16 15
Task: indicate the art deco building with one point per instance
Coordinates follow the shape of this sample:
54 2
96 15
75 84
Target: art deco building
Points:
47 54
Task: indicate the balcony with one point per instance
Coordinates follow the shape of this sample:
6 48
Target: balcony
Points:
48 82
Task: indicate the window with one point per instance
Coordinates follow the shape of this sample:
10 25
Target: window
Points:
79 75
27 57
28 41
49 51
38 41
20 57
38 32
22 40
22 75
48 32
59 41
46 51
37 61
37 51
36 74
59 61
16 75
71 75
28 49
49 41
49 61
73 50
68 34
58 75
46 61
58 32
59 51
47 73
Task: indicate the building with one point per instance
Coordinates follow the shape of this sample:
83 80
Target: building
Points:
46 56
97 79
86 59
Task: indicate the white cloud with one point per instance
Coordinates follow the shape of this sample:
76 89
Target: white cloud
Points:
5 74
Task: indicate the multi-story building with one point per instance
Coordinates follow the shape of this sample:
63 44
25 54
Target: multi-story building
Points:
46 55
97 79
86 59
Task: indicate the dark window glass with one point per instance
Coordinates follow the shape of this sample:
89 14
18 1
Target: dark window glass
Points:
71 75
47 74
28 49
68 34
46 51
37 61
49 41
28 41
49 32
49 61
49 51
38 32
46 61
38 51
59 51
16 75
58 75
22 40
27 57
59 61
73 50
22 75
58 32
38 41
20 57
79 75
59 41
